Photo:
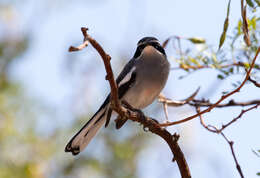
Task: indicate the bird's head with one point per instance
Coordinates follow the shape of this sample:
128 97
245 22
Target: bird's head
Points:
148 41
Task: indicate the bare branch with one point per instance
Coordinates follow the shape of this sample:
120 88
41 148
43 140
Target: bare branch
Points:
216 130
231 143
165 106
203 123
231 103
243 111
84 44
254 82
256 153
169 102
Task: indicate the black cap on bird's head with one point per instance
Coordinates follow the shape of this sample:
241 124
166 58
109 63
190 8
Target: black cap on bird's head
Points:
146 41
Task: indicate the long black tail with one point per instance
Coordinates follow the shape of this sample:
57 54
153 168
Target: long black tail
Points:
87 132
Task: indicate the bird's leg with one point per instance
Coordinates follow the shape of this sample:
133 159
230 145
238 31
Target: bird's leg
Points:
128 106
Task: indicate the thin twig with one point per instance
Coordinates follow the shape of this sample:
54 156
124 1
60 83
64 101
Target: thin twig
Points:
220 100
169 102
231 144
219 131
231 103
203 123
243 111
165 106
84 44
256 153
254 82
216 130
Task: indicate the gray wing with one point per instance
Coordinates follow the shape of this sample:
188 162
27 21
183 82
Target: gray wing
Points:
122 88
125 70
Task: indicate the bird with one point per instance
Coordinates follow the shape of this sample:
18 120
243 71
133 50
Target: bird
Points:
139 83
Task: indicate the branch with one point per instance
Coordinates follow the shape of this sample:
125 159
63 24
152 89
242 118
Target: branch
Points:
220 100
254 82
205 103
243 111
187 67
133 114
169 102
231 143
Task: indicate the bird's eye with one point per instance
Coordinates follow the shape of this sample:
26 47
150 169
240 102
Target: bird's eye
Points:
158 47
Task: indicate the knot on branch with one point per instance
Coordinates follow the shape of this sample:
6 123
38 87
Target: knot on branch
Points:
176 137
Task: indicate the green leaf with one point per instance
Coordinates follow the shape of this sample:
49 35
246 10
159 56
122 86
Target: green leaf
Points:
231 70
250 3
214 58
222 39
258 173
197 40
226 23
194 61
221 77
252 22
228 8
247 65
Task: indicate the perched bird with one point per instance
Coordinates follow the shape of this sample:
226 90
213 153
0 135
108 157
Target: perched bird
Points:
139 83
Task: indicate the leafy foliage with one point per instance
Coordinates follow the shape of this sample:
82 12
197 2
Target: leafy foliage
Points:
232 60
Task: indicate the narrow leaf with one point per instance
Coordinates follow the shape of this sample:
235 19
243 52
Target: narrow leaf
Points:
226 23
250 3
247 65
245 27
194 61
197 40
166 42
221 77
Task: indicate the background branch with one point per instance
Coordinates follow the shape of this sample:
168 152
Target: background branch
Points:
213 129
205 103
254 82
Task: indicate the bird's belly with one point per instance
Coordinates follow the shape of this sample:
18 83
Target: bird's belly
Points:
148 85
141 96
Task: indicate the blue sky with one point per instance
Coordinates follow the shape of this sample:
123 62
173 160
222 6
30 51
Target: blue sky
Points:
118 25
